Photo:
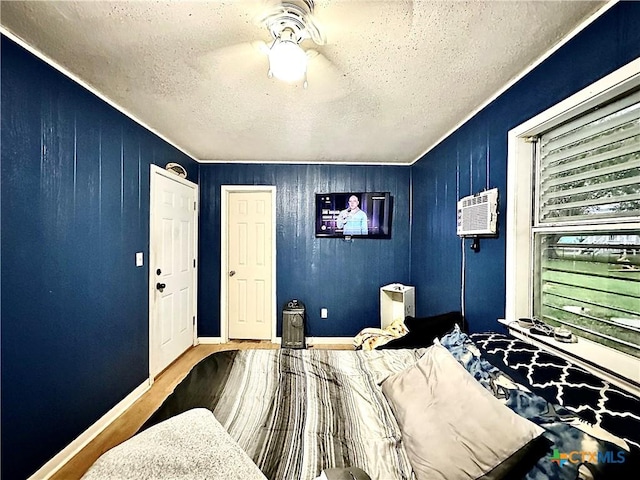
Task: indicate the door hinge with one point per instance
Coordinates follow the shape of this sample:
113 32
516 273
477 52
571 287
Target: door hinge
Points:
194 319
195 206
194 263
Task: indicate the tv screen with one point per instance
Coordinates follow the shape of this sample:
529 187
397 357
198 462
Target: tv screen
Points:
353 214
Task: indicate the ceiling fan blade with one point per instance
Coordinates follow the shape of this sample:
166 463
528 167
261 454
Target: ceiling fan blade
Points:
342 18
231 66
324 80
238 52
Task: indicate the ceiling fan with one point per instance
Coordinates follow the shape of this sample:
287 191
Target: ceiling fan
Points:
290 23
292 29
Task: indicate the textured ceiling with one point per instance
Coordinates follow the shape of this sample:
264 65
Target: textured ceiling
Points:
394 77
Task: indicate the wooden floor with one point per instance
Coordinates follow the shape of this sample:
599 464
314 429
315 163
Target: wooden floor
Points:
134 417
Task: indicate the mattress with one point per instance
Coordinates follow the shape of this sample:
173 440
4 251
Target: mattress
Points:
298 412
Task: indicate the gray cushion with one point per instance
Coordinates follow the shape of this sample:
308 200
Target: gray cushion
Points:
452 428
192 445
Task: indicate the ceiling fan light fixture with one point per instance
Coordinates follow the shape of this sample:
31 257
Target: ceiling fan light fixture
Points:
287 60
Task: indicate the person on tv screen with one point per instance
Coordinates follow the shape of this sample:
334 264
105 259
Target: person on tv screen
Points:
352 220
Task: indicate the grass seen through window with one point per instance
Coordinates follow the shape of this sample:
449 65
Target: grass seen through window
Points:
591 284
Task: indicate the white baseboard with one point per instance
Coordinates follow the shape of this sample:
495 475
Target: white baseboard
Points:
309 340
66 454
329 340
209 340
323 340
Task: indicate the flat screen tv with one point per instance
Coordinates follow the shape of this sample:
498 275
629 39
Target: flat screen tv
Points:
353 214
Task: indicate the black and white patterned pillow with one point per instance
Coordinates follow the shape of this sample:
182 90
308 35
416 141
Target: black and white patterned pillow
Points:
595 400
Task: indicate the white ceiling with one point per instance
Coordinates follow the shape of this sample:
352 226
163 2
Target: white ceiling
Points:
394 77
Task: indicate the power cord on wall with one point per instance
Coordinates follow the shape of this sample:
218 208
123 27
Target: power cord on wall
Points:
463 280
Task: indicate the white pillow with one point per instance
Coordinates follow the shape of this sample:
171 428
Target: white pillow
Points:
452 428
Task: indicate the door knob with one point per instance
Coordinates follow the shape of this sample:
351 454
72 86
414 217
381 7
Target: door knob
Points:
160 286
232 273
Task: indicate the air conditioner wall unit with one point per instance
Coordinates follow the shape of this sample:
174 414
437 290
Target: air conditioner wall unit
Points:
478 214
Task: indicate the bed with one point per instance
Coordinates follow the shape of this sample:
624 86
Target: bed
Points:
468 406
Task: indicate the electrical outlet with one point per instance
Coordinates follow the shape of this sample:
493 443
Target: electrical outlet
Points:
324 313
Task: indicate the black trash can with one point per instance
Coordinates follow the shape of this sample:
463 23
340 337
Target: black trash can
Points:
293 319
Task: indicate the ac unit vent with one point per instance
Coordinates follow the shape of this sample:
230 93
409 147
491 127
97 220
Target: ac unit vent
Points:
478 214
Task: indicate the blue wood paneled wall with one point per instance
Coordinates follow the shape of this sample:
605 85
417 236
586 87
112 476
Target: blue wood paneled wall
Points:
475 157
75 209
75 190
342 276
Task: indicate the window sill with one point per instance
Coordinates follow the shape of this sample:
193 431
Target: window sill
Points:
615 367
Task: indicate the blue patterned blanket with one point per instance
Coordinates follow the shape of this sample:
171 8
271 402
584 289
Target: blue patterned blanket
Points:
577 446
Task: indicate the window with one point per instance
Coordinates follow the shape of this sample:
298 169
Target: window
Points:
587 172
590 283
573 243
588 169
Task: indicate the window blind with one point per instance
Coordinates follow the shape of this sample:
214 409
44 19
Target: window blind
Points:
589 167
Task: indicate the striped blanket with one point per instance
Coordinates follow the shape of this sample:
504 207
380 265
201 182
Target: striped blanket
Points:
297 412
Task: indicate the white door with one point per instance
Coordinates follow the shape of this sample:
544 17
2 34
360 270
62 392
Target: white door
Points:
172 268
250 260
